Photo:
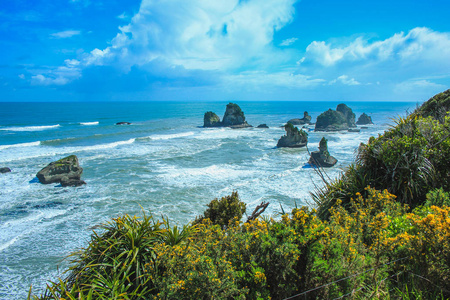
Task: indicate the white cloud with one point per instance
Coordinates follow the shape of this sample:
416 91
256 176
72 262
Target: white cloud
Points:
288 42
202 34
57 76
418 44
65 34
344 79
22 76
262 79
123 16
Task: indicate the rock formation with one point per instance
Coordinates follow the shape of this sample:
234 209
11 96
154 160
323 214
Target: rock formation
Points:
294 137
123 123
211 119
66 170
364 119
233 118
262 126
322 158
342 118
5 170
305 120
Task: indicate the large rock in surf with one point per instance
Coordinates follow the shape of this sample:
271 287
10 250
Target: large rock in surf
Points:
211 120
5 170
305 120
65 170
233 118
294 137
262 126
342 118
364 119
322 158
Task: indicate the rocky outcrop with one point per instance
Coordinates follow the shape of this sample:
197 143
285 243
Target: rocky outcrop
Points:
294 137
342 118
262 126
305 120
364 119
66 181
5 170
65 170
211 120
123 123
233 118
322 158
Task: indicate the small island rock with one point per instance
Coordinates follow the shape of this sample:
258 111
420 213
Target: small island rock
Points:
64 169
305 120
322 158
342 118
211 120
66 181
294 137
123 123
262 126
364 120
233 118
5 170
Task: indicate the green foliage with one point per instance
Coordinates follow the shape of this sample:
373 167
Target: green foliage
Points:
437 197
222 211
294 130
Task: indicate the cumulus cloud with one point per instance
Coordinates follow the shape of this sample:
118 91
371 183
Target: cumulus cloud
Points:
57 76
344 79
65 34
288 42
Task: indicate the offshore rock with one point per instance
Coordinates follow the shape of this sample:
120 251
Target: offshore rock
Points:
234 116
123 123
66 181
262 126
5 170
294 137
364 120
305 120
322 158
65 169
342 118
211 120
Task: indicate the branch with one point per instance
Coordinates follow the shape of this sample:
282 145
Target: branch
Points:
258 210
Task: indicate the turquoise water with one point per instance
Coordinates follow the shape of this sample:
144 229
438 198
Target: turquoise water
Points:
165 162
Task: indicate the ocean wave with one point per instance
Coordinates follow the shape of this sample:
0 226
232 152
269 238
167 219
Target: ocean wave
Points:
30 128
166 136
89 123
31 144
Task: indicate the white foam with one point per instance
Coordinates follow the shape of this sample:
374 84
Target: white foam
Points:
89 123
31 144
30 128
171 136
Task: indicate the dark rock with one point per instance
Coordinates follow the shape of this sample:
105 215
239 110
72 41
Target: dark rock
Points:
305 120
66 181
354 130
262 126
123 123
364 119
234 116
364 127
244 125
5 170
342 118
322 158
211 120
67 167
294 137
348 114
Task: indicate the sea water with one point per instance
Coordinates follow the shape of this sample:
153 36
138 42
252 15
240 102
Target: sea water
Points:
164 162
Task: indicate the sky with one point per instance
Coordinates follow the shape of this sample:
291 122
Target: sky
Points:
224 50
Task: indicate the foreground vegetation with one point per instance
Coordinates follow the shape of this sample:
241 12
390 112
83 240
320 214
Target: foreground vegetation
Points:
381 230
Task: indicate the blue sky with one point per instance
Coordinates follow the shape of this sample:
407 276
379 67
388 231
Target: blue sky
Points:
85 50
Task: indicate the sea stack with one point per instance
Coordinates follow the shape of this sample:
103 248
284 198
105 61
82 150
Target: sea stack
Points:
364 120
234 118
294 137
342 118
322 158
66 171
305 120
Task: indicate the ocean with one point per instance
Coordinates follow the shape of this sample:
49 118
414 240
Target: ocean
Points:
164 162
